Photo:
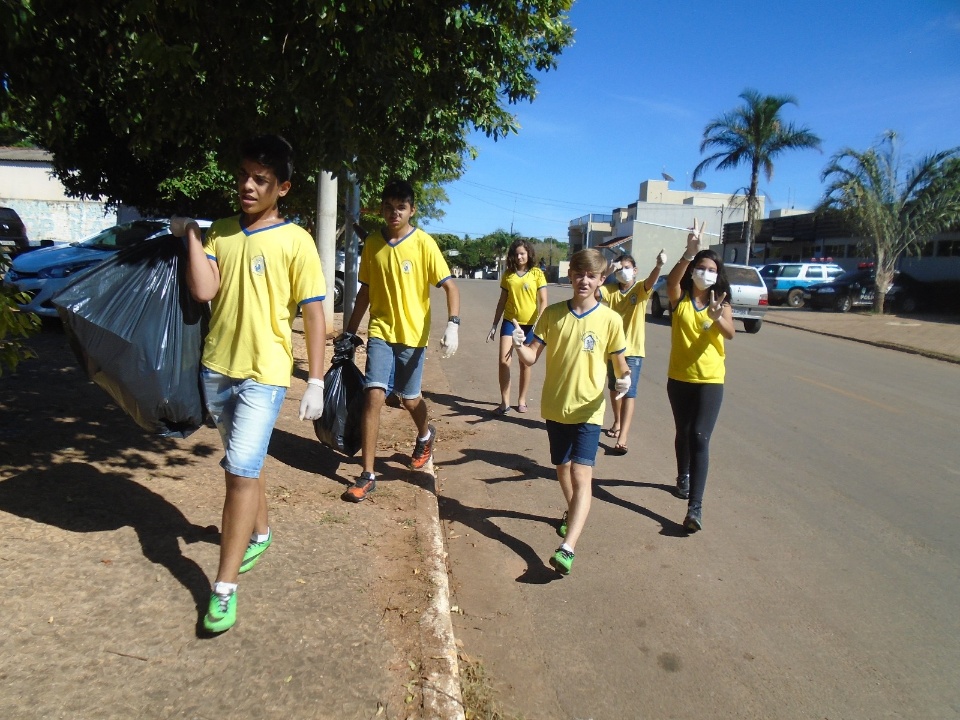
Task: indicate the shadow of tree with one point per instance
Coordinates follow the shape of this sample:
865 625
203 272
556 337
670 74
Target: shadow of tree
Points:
79 498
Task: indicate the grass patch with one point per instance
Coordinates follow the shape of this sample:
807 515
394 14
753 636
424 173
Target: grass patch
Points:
329 517
478 696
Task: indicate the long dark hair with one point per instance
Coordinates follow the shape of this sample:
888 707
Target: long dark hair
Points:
512 257
722 285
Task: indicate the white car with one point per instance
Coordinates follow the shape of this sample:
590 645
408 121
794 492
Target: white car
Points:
748 296
40 274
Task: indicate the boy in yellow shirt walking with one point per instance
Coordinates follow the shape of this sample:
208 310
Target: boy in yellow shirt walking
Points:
578 335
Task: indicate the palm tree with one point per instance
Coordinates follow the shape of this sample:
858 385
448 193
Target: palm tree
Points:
888 209
753 134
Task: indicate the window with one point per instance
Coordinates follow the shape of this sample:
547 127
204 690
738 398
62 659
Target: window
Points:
790 271
948 248
814 273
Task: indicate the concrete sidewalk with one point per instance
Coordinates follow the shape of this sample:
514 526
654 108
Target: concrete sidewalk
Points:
933 336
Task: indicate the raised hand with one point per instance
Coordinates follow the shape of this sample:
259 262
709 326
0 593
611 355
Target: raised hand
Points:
694 240
715 308
661 258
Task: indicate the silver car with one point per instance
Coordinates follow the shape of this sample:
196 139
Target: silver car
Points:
748 296
40 274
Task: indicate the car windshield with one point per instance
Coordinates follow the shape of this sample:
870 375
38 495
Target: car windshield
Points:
121 236
852 275
743 276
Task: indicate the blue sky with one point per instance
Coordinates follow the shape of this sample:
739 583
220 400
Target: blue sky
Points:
630 98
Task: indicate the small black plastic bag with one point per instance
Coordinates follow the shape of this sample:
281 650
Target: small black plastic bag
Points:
340 425
139 334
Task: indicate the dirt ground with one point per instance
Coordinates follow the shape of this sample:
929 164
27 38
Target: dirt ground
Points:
110 542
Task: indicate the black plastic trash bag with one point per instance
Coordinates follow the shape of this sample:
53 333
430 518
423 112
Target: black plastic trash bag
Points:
340 425
139 334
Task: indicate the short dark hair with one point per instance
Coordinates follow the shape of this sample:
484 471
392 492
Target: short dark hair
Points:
398 190
271 151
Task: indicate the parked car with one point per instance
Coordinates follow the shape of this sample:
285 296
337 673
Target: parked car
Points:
40 274
786 281
13 233
858 288
748 296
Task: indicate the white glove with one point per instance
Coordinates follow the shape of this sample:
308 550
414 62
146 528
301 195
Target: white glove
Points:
493 333
662 258
694 243
715 308
179 225
519 336
450 341
622 385
311 406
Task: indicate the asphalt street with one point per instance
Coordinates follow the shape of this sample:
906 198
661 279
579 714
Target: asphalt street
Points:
823 584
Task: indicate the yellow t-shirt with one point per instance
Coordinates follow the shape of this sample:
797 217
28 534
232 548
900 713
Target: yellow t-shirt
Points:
577 348
631 305
522 295
264 276
696 353
398 278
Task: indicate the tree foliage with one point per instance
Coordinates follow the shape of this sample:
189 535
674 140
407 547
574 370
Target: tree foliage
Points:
753 134
15 326
135 98
892 208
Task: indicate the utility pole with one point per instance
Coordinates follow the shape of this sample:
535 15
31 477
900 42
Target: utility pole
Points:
326 237
351 246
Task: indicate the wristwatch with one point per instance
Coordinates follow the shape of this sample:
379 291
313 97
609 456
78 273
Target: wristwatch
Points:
455 319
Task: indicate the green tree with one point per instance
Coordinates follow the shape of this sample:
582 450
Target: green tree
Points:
753 134
15 326
129 95
890 207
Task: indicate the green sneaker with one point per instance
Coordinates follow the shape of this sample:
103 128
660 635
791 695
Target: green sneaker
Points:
562 527
254 551
222 613
562 561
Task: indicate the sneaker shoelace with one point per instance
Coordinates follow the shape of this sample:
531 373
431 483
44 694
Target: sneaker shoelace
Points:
223 601
421 447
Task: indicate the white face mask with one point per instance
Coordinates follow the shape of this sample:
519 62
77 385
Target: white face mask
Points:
704 278
626 275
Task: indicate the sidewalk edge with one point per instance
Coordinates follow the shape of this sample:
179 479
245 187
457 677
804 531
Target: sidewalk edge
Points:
441 680
932 354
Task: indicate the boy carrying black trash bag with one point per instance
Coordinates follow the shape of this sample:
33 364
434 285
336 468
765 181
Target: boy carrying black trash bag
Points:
256 269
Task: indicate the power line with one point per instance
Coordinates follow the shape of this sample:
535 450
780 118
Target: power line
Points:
546 201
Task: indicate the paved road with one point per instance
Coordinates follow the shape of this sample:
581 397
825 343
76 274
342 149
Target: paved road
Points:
823 585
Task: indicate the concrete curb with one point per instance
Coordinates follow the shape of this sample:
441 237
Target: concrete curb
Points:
932 354
441 670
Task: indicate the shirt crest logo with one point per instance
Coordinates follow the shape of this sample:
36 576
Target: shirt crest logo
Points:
406 267
258 265
589 342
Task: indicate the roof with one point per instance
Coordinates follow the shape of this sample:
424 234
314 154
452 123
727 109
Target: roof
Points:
25 154
614 242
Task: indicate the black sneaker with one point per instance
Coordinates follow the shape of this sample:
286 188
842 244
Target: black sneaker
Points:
693 521
364 485
683 487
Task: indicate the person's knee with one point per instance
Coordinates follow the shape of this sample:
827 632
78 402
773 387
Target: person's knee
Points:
701 441
412 404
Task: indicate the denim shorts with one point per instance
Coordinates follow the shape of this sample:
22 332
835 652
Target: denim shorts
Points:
394 368
573 443
244 412
634 362
507 326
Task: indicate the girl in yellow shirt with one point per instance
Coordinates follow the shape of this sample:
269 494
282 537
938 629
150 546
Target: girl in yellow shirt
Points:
702 318
523 296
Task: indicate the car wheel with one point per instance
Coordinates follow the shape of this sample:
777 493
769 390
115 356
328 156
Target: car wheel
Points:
752 326
844 303
338 294
656 309
795 298
908 304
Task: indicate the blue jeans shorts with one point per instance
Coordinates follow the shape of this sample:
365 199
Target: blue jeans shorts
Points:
394 368
634 362
507 326
573 443
244 412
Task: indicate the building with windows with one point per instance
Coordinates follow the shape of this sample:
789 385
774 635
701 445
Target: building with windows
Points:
657 220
